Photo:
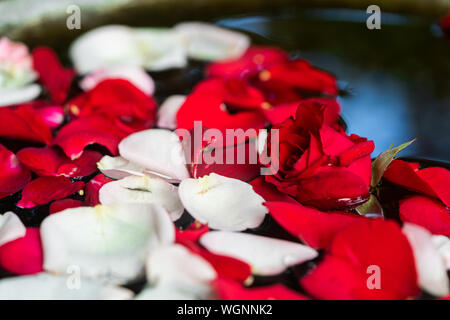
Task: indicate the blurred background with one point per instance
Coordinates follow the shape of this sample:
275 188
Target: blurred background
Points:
395 81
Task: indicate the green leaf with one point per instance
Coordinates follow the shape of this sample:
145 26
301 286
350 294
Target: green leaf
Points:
371 206
380 164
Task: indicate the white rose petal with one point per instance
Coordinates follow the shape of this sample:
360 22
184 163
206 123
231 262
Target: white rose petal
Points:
155 49
223 203
430 266
167 112
11 228
107 242
176 267
135 189
103 47
162 292
442 243
161 48
136 75
212 43
266 256
159 151
118 167
45 286
12 96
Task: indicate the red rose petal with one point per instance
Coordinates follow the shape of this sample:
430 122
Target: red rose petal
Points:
334 278
431 181
231 290
118 100
226 267
215 115
80 133
428 213
23 123
281 113
81 167
439 181
64 204
345 272
355 152
53 115
14 176
45 189
276 93
92 188
315 228
53 76
253 60
300 74
23 255
312 160
211 156
190 234
52 162
208 104
355 157
238 93
391 252
42 161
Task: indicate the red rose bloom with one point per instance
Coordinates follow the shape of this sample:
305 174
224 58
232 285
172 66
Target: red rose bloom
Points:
319 164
